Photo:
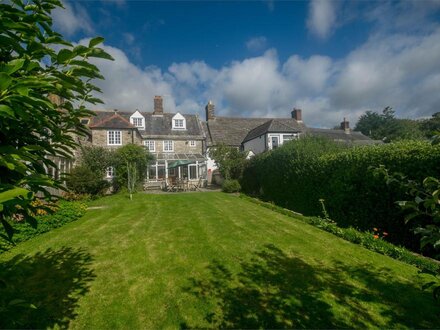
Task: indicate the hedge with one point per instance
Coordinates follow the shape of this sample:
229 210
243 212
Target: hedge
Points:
298 175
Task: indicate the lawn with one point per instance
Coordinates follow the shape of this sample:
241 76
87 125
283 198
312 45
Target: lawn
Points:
202 260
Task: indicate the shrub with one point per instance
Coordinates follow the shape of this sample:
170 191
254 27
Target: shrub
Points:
230 186
297 175
84 181
65 213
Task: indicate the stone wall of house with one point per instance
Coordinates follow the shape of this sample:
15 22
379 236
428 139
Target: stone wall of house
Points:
99 137
180 146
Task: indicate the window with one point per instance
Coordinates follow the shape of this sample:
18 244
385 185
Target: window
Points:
192 172
274 142
85 121
168 145
114 138
110 172
138 122
178 123
192 143
150 145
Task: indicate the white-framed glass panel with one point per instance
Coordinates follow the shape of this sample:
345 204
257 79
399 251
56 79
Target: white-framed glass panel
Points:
110 172
152 175
151 146
172 171
114 138
168 145
178 123
192 143
138 122
192 171
275 142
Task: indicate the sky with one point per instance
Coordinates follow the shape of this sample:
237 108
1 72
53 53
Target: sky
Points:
332 59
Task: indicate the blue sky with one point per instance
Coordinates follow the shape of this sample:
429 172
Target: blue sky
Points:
333 59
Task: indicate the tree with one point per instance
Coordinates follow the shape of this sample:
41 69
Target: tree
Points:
431 125
388 128
131 165
88 176
45 85
230 161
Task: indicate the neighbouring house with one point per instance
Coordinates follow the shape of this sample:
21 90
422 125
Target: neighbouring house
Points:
176 141
257 135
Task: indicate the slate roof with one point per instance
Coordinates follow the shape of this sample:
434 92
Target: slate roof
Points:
277 125
233 130
155 126
341 136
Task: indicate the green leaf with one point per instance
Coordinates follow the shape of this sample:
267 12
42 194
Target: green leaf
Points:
64 55
95 41
8 228
98 52
8 195
5 81
6 110
14 65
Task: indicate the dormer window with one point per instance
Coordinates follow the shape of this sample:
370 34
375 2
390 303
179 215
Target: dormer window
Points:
137 120
178 122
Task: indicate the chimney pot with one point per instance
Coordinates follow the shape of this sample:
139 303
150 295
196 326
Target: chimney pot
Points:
210 108
297 114
158 105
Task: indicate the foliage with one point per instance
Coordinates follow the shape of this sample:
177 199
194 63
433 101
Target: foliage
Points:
66 212
84 181
388 128
365 239
40 73
131 166
229 160
230 186
97 159
353 195
431 126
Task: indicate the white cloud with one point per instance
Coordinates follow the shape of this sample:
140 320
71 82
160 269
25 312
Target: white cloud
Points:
322 17
401 71
71 19
256 44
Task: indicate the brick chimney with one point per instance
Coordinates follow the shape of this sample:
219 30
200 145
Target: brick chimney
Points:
345 125
158 105
210 107
297 114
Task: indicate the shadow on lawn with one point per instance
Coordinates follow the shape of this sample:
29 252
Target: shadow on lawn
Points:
274 290
52 280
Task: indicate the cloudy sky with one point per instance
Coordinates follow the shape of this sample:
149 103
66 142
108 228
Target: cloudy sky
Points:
333 59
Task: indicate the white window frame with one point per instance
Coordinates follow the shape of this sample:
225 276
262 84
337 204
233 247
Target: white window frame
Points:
178 122
110 172
150 143
138 122
113 139
192 143
166 148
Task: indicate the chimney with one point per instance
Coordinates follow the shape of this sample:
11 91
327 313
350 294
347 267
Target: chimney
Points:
115 111
210 107
158 105
345 125
297 114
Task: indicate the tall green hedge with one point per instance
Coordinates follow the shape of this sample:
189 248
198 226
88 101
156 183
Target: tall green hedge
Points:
300 173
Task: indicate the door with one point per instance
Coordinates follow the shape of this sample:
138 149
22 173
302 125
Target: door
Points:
274 142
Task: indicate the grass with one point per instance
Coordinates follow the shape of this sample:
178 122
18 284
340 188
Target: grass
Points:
205 260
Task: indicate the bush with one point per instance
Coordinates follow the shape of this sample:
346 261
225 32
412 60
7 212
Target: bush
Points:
65 213
297 175
230 186
84 181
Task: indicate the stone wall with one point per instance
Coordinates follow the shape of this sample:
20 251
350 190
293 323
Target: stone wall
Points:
180 146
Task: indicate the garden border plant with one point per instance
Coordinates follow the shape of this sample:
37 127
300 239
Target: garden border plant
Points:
352 235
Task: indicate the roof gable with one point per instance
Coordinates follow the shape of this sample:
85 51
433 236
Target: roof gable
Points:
113 121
